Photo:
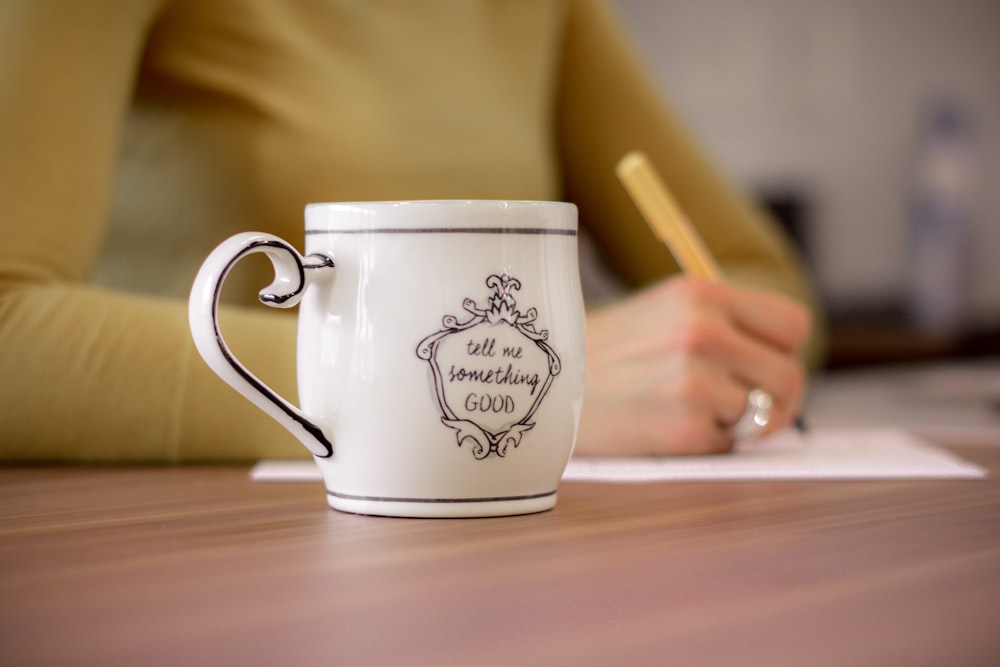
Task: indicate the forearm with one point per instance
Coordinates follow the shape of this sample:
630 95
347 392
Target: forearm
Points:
90 375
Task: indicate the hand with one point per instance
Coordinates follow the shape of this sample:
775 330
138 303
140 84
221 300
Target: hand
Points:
669 369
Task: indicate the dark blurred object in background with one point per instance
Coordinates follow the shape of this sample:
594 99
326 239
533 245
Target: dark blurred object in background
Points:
880 332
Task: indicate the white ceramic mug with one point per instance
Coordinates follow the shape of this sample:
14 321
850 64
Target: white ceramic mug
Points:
440 351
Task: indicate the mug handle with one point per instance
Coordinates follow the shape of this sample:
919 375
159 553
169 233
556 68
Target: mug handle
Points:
292 274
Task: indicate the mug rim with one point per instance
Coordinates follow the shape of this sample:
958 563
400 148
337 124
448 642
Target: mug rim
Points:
439 202
388 216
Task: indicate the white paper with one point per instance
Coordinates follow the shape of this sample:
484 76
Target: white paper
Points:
275 470
788 455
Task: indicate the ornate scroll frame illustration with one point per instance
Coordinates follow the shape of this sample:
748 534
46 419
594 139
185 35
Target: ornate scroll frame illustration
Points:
501 309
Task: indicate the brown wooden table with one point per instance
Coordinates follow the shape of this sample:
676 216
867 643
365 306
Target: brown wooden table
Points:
197 565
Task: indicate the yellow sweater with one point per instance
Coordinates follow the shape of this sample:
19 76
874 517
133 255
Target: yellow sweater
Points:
137 134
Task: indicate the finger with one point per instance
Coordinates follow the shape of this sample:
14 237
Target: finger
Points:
743 361
757 365
714 388
698 434
710 337
774 318
706 397
771 317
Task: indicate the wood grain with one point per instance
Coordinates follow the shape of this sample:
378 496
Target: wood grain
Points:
198 565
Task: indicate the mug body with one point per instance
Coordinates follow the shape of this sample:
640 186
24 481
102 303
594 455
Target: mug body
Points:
445 354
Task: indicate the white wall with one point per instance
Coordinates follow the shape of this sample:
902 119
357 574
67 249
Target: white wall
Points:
825 95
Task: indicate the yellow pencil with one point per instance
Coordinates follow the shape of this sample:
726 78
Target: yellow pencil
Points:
665 217
668 222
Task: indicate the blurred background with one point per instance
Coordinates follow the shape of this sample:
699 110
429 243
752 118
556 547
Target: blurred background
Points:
870 128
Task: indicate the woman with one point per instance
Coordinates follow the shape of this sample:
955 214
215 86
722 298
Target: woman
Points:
137 134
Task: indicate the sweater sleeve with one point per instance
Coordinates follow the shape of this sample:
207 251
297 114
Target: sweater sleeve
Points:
609 106
89 374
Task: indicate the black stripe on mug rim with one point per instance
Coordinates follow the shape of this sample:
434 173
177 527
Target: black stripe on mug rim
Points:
447 230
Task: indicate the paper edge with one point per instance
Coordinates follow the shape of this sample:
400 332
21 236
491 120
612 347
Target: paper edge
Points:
677 469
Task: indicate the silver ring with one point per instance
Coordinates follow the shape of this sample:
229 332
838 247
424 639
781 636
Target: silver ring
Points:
757 416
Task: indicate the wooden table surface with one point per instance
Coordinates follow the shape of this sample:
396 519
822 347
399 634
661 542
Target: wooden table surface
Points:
198 565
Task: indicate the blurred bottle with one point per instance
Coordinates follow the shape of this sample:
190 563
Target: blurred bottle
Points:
941 222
